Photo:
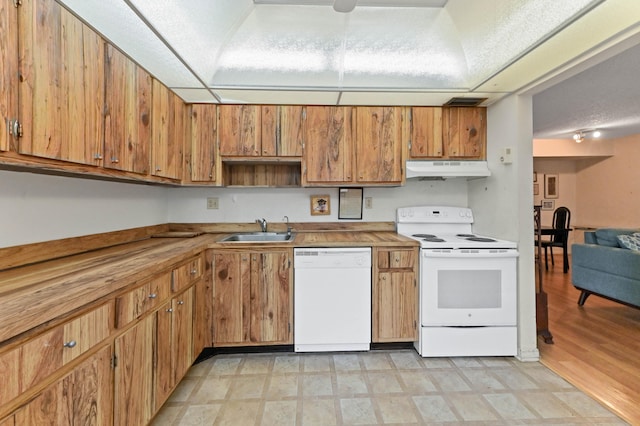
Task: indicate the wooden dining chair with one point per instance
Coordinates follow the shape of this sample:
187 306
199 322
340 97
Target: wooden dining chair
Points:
559 238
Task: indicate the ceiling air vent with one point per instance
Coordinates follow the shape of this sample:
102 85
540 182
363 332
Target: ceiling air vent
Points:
465 102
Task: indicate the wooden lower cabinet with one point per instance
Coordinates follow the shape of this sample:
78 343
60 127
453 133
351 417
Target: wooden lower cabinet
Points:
134 374
395 295
174 345
83 397
252 297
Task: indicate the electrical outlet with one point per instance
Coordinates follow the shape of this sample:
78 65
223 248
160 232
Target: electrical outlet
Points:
212 203
368 202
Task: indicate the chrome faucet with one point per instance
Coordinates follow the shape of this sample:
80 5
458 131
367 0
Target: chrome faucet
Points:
263 224
286 218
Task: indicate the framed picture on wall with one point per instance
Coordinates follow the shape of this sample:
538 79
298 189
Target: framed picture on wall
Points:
536 189
548 204
551 186
320 205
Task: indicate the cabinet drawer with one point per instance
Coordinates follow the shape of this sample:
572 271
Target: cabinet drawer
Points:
396 259
46 353
142 299
187 273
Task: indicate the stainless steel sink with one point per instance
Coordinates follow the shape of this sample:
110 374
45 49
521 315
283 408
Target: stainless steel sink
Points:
259 237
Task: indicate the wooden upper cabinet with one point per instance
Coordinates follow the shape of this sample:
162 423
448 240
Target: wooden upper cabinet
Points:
260 131
168 132
61 93
239 130
127 138
465 132
379 156
203 162
8 70
425 132
282 130
328 147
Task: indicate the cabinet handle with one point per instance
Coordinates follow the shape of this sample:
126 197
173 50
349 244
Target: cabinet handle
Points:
181 302
115 160
170 310
158 169
153 296
194 271
70 344
97 156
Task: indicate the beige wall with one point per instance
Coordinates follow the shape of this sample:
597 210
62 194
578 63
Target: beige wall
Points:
608 191
599 190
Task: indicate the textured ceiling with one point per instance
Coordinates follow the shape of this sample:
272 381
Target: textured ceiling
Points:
604 97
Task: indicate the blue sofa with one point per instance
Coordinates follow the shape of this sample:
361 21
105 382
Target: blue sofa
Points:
603 266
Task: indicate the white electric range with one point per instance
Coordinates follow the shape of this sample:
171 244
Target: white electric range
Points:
468 284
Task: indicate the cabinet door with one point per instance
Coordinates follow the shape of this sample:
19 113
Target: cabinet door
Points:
231 275
84 396
396 307
202 316
134 374
239 130
379 145
61 86
174 345
426 132
182 333
8 70
282 130
271 297
127 140
204 146
163 374
465 133
168 132
395 295
328 146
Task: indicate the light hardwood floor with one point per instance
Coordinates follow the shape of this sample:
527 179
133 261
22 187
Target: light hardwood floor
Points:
596 347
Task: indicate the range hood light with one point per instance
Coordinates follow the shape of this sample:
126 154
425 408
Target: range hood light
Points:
344 6
447 169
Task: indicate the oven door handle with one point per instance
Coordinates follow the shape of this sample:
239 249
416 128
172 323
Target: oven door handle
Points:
471 253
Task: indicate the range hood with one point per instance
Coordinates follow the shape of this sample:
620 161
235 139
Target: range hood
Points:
447 169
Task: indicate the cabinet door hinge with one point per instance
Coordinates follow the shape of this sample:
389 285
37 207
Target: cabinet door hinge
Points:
17 3
114 361
15 128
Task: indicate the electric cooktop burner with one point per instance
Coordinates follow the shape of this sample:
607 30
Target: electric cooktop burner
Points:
481 239
465 235
433 239
424 236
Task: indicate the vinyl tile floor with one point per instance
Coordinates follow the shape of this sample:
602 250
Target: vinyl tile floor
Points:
391 387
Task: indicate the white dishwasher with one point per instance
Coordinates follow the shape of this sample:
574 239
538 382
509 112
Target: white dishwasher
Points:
332 299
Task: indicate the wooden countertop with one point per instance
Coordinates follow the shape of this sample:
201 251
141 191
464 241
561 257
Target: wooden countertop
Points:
39 293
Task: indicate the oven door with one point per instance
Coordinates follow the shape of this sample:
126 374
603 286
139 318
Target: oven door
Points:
467 288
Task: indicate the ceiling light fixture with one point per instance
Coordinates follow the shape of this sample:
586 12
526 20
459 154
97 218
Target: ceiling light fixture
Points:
579 135
344 6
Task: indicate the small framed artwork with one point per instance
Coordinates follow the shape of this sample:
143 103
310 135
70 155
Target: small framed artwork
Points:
320 205
551 186
350 203
536 189
548 204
